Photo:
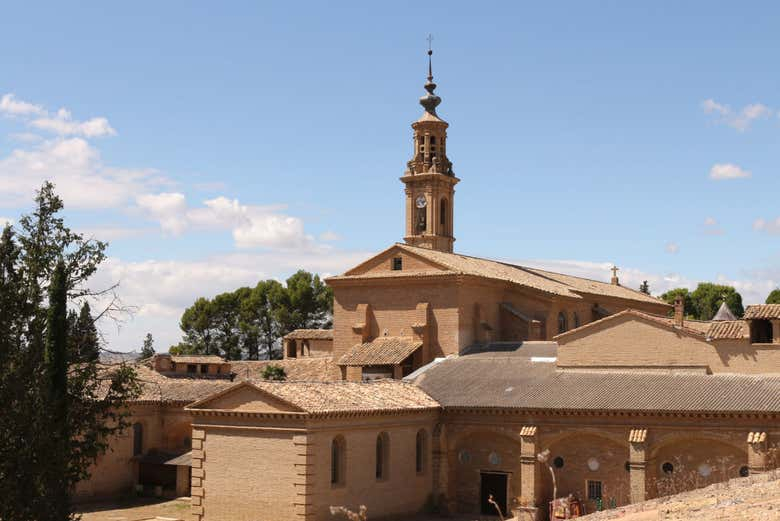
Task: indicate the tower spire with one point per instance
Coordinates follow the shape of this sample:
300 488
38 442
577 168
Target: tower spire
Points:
430 101
430 53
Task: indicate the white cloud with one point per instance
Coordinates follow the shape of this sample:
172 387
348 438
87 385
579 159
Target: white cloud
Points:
60 123
771 227
5 220
251 226
10 105
160 290
110 233
330 236
63 124
754 285
672 247
169 209
739 120
629 277
721 171
75 166
25 137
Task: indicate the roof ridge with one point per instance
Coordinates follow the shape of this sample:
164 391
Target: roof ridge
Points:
539 272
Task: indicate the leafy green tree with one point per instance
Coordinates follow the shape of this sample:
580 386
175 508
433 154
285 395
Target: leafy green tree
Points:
307 303
63 412
197 323
708 297
249 321
703 302
258 322
274 372
645 287
773 297
147 351
670 296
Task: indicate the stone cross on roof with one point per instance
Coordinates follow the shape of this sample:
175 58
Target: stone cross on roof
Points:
614 269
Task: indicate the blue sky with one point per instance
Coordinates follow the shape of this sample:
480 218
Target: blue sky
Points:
217 144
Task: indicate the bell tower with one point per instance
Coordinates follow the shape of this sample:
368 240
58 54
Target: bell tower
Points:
430 182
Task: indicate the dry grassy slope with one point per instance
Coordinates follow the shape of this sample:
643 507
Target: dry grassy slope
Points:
755 498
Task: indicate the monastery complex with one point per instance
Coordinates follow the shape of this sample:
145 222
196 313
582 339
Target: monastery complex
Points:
444 378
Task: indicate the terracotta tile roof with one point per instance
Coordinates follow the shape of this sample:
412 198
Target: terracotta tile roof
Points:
197 359
298 369
159 388
762 311
546 281
515 381
322 397
306 334
732 329
385 350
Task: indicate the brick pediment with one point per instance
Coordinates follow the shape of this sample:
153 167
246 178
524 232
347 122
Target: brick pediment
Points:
245 397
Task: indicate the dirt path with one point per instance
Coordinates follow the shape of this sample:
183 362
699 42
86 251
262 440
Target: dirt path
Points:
136 510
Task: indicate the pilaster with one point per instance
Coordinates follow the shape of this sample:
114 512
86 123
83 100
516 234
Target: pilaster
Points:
303 502
440 470
530 470
197 489
637 464
757 452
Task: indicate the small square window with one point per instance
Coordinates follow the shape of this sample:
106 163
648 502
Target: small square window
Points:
594 490
204 368
397 264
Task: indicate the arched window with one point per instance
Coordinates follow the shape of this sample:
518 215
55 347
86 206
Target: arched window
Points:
338 460
576 320
443 215
382 455
562 326
421 451
138 439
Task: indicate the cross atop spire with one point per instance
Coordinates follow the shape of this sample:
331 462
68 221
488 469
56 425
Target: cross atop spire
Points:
615 281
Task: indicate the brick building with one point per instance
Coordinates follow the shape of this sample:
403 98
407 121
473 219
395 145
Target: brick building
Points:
446 376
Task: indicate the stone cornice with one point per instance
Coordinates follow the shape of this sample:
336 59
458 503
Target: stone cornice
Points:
495 411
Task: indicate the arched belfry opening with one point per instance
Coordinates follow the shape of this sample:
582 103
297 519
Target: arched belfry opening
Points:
429 178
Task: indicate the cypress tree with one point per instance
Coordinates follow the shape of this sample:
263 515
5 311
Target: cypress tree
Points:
56 382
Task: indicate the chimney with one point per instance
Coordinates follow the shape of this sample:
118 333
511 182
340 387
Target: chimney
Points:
679 311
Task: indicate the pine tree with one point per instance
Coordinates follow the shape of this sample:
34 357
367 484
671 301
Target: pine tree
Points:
147 351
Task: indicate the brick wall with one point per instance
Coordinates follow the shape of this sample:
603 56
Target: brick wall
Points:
631 341
248 475
403 491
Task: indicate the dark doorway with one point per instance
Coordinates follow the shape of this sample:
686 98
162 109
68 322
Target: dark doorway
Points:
495 485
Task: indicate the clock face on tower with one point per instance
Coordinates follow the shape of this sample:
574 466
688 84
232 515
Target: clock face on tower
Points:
420 201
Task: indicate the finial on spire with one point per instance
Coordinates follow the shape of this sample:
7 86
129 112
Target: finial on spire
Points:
430 53
615 281
430 101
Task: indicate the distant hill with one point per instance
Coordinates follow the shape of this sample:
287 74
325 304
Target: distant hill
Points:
115 358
